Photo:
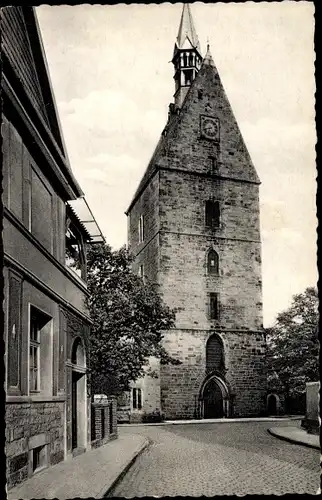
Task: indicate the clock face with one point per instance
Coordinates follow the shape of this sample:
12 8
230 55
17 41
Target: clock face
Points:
209 127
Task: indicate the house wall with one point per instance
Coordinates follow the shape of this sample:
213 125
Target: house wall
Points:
35 191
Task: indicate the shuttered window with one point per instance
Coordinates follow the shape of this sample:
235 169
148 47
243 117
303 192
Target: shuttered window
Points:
213 306
212 214
214 354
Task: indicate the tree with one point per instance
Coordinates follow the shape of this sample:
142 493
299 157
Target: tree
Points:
129 319
293 345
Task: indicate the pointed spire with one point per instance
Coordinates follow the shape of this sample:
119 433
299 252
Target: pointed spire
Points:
187 30
208 60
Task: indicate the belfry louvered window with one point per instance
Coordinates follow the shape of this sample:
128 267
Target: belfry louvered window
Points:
212 214
215 354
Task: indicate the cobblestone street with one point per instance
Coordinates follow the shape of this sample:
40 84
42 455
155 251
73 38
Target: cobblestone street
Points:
219 459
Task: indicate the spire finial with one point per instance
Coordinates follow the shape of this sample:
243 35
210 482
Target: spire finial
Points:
208 60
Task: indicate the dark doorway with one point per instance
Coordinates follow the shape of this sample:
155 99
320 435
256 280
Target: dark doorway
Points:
271 405
213 400
75 378
74 410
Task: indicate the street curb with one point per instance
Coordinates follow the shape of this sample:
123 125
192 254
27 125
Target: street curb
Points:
293 441
106 492
212 421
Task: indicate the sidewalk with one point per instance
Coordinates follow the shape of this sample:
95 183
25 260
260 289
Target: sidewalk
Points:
296 435
89 475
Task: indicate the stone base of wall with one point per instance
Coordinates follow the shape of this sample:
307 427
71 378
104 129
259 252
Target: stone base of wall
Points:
30 426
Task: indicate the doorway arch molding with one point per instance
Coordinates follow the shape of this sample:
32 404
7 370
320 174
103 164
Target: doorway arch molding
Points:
223 385
78 354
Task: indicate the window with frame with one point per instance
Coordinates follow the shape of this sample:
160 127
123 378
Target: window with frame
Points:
137 398
39 339
213 306
213 262
212 210
141 229
75 257
34 353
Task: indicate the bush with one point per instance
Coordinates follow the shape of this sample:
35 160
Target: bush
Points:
153 417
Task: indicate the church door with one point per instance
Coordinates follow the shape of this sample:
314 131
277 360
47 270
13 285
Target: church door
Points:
213 400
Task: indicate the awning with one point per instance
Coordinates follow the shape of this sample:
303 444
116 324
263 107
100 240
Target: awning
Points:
84 214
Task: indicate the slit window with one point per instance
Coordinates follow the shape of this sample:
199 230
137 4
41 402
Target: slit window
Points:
213 164
213 306
137 398
212 214
141 229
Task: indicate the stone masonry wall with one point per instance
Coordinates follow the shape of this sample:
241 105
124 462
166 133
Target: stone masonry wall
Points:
146 252
185 284
25 421
245 376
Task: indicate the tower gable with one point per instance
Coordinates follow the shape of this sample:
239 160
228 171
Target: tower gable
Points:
206 138
184 144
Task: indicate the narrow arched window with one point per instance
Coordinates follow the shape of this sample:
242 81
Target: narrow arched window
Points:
212 214
215 354
212 262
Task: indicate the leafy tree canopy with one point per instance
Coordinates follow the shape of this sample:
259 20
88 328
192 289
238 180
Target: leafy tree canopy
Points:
293 345
129 319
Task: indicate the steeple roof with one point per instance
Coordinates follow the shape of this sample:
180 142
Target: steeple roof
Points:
187 35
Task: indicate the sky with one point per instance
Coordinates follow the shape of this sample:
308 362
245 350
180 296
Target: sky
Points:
113 81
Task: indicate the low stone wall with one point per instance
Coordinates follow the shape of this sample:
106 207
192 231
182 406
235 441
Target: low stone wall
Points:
30 426
103 421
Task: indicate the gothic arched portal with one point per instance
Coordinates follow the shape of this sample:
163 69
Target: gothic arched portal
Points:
214 398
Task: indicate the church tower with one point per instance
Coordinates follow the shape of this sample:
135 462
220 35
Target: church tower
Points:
194 229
